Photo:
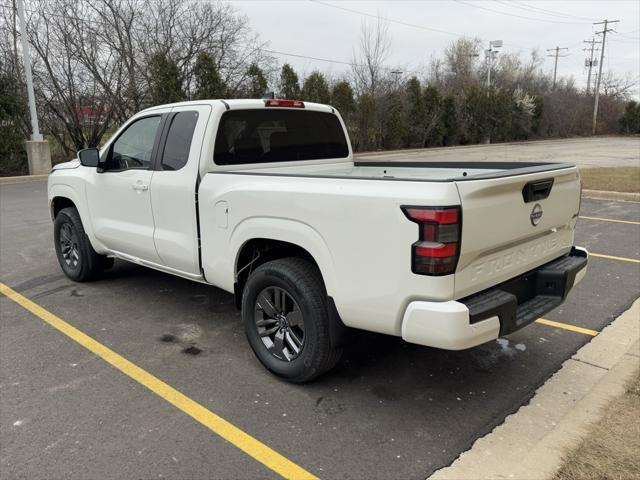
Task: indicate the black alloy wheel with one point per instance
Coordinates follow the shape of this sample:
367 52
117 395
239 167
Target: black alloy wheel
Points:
280 323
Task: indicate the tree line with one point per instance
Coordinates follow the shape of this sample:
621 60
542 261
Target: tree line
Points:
96 63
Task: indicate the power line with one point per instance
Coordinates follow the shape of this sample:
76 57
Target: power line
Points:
400 22
627 34
509 44
628 42
275 52
391 20
470 4
341 62
287 54
527 8
549 12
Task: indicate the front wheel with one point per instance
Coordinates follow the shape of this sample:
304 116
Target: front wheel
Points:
78 259
284 310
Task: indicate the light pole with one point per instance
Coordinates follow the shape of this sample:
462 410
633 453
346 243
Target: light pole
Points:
396 74
490 55
26 56
38 153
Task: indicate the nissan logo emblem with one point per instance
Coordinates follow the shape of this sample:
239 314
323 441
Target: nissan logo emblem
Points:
536 214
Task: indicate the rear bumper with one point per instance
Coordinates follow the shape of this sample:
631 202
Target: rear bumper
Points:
497 311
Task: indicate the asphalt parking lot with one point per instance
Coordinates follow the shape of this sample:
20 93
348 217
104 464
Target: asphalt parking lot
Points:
588 152
390 409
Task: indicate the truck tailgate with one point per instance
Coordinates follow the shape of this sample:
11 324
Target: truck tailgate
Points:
513 224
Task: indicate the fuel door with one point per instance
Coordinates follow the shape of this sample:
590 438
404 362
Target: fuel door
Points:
222 214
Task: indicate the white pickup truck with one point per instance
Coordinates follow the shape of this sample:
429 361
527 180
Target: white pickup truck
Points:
262 198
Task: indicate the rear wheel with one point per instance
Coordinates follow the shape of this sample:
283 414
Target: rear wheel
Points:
284 309
78 259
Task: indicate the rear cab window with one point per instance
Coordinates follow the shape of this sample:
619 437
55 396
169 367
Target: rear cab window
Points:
178 143
274 135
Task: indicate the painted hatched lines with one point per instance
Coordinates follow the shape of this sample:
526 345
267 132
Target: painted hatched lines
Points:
218 425
566 326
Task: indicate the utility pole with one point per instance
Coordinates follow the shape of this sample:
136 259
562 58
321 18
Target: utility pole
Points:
490 55
590 63
555 67
604 39
38 151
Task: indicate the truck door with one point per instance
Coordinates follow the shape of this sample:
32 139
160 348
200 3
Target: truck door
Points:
119 198
173 187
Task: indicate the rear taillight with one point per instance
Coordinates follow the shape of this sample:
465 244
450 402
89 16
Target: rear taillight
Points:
438 247
277 102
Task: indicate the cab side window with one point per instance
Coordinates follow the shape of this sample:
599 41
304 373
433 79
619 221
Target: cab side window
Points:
134 146
178 143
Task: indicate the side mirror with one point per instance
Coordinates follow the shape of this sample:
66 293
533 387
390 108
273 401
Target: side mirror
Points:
89 157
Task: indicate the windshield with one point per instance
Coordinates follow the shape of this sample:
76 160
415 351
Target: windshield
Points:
273 135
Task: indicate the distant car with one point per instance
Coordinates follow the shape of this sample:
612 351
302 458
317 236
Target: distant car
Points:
262 198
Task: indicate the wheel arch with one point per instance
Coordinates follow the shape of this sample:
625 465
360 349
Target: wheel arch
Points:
61 196
259 250
280 237
58 203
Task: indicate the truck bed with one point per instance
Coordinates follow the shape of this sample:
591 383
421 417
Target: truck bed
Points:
412 171
350 217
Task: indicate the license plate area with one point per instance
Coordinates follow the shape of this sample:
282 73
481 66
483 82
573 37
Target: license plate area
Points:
520 301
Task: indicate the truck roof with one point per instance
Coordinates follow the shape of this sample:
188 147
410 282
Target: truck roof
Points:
232 104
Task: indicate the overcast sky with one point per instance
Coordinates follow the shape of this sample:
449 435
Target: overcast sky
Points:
327 30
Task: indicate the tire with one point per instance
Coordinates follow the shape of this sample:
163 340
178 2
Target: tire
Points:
77 258
305 324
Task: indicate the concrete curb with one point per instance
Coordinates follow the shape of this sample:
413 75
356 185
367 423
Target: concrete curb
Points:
606 195
23 179
530 444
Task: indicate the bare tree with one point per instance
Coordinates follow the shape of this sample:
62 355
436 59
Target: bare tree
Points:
513 72
368 65
618 87
71 95
116 30
183 28
435 73
90 56
461 63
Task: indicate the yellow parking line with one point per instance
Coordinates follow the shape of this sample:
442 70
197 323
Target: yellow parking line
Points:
600 219
245 442
611 257
566 326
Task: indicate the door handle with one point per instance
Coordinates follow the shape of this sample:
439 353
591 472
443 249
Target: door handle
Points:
140 187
